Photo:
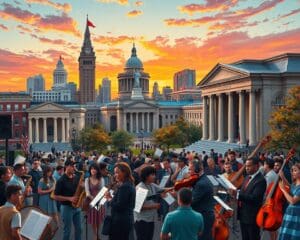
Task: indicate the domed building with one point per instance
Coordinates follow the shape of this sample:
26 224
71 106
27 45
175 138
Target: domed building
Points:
59 76
126 78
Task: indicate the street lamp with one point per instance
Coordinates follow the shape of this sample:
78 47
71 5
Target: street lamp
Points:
142 138
74 135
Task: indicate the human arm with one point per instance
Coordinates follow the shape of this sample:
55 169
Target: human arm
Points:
41 188
291 199
121 200
283 178
15 226
256 195
87 188
15 232
166 229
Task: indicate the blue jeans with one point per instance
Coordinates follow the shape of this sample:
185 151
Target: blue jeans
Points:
68 215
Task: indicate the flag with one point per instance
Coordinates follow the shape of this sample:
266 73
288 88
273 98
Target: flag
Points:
25 144
90 24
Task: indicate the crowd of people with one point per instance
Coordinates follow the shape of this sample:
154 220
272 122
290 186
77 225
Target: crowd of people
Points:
55 183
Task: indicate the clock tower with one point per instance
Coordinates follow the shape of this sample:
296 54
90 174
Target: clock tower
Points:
87 60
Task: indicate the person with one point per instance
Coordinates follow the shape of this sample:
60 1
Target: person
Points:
36 175
234 163
2 161
183 223
10 217
45 187
202 200
5 175
291 220
181 171
93 185
250 198
65 189
270 174
16 179
212 168
122 203
145 219
59 171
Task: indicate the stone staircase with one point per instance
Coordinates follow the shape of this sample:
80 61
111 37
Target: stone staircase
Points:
219 147
46 147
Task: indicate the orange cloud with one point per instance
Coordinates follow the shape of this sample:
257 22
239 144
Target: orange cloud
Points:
62 23
66 7
48 40
222 5
296 11
3 27
24 29
134 13
121 2
108 40
138 3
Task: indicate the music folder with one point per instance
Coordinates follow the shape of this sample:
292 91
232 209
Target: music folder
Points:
225 182
98 197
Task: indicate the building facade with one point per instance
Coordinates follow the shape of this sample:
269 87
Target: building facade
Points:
185 79
238 98
87 69
35 83
104 91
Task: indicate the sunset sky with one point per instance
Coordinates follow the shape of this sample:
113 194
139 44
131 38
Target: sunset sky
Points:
170 35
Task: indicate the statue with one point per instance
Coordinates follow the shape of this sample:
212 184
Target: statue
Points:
137 76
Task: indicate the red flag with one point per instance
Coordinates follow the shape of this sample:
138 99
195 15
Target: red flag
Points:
90 24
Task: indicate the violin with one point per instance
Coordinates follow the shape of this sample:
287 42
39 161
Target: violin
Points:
186 182
220 230
270 215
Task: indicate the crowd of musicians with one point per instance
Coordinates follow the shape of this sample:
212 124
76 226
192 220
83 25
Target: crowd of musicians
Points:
63 185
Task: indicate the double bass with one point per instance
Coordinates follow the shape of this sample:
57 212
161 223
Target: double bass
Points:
237 178
270 215
220 230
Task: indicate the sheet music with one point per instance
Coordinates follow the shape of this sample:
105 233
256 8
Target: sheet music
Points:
98 197
140 197
169 199
227 182
222 203
34 225
213 180
164 181
158 152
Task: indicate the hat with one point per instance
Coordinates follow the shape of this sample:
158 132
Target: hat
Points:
148 160
19 160
69 162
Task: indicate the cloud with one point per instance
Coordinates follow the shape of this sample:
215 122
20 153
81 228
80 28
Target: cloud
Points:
3 27
296 11
108 40
24 29
66 7
138 3
48 40
209 6
121 2
134 13
60 23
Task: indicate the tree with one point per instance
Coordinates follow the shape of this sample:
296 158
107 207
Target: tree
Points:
285 122
121 139
94 138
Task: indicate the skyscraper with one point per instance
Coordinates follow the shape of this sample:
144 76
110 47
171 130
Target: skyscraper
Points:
185 79
87 66
166 93
35 83
155 93
105 91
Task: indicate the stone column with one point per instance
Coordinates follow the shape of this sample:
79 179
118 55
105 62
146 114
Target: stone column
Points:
63 130
68 130
45 130
221 119
30 130
205 119
148 122
131 122
211 118
252 119
55 130
125 121
143 121
242 130
37 135
230 118
136 122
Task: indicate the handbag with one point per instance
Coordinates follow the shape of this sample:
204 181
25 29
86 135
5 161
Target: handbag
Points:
107 225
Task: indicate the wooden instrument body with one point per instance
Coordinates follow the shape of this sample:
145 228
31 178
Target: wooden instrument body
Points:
186 182
220 230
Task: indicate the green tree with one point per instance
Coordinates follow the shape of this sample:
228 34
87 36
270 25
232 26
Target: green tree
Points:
94 138
285 122
121 140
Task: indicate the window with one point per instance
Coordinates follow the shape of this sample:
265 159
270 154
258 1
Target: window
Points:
23 106
24 120
16 121
8 107
17 134
16 107
1 107
73 120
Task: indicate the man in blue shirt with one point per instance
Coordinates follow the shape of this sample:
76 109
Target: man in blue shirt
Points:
183 223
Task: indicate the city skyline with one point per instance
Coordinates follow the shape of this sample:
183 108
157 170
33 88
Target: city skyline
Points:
169 37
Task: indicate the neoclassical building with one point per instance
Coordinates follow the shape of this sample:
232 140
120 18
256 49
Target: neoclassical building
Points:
238 98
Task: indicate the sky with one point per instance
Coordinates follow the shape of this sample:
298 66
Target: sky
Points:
170 35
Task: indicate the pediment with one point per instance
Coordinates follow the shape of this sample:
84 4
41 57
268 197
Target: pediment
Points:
48 107
139 105
221 74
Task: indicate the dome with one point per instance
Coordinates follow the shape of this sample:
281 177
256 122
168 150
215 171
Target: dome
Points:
134 62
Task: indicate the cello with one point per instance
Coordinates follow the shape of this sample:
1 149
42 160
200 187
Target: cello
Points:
237 178
220 230
269 216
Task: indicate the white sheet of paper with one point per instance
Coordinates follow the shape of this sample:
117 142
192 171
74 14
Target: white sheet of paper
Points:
227 182
140 197
164 181
213 180
158 152
98 197
169 199
34 225
223 204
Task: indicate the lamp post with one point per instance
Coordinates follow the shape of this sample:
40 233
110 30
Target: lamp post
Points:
73 135
142 138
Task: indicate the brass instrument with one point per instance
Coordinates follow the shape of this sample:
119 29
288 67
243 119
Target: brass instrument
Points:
80 191
20 205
